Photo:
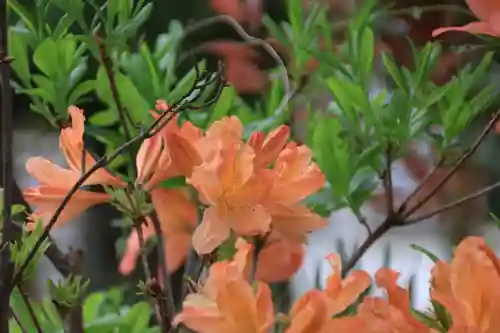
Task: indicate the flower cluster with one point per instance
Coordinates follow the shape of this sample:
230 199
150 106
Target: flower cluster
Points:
467 288
252 189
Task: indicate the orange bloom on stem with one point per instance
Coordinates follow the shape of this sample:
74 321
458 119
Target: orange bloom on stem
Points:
177 216
228 304
267 149
310 314
247 12
488 13
270 267
226 181
392 315
168 154
294 177
469 287
56 182
342 293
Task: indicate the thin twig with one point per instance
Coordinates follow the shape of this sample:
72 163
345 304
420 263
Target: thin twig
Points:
369 241
108 67
387 182
31 312
162 257
420 186
194 265
289 93
18 321
6 177
362 220
453 204
152 284
465 156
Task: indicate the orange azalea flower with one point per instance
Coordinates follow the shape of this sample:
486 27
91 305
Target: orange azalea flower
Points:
227 183
488 13
177 215
55 181
294 178
392 315
468 287
310 314
240 65
340 293
267 149
169 154
270 267
227 304
247 12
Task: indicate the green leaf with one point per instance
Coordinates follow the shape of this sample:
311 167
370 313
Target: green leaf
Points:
24 15
227 249
62 27
104 118
45 58
130 97
224 104
91 306
130 29
18 49
395 73
333 155
175 182
426 319
47 95
366 53
428 254
350 97
138 317
81 90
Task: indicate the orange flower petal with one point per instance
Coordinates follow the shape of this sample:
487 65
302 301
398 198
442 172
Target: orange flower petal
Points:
147 158
51 174
481 28
484 9
342 294
213 231
47 199
275 268
177 248
250 220
183 154
309 314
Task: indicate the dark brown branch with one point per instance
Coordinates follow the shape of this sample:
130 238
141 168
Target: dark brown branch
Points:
153 288
453 204
162 258
122 113
387 182
370 240
6 177
420 186
456 166
31 312
400 218
194 263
